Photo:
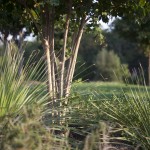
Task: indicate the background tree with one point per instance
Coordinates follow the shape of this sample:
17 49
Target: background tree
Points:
109 66
136 33
127 50
10 22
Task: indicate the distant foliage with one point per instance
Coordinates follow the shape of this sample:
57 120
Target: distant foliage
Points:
109 67
88 51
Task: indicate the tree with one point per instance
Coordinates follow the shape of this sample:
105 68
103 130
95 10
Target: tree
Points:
127 50
44 18
136 33
10 23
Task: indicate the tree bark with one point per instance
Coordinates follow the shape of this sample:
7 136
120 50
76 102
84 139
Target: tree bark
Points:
52 53
21 47
48 44
75 48
48 60
63 58
149 69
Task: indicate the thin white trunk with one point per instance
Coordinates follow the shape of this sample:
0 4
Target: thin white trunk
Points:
149 69
51 43
46 47
62 71
73 58
63 57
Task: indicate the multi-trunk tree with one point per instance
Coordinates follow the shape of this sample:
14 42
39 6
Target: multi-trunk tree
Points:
47 17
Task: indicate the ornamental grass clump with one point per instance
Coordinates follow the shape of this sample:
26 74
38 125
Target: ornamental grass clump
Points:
131 111
16 86
24 103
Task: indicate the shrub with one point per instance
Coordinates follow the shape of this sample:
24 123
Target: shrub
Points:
109 66
30 133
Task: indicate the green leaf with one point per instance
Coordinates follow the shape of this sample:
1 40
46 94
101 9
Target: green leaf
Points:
142 3
34 14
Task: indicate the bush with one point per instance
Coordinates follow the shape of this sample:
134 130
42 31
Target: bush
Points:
109 67
29 133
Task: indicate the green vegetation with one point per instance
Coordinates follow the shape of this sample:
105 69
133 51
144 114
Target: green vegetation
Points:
38 108
23 104
16 89
29 132
111 115
109 66
105 89
126 107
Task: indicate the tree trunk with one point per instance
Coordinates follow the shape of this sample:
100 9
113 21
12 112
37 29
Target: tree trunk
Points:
21 47
63 58
58 85
48 44
47 53
72 62
149 69
52 53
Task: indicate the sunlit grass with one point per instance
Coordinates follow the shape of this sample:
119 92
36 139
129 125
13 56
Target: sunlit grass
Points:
106 89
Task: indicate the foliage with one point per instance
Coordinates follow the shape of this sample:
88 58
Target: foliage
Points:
81 69
43 18
127 106
17 90
11 22
132 113
128 51
103 9
134 32
29 132
109 66
88 109
35 47
23 105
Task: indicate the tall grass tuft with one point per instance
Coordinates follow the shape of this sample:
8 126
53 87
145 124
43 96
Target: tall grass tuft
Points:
23 103
17 88
131 110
